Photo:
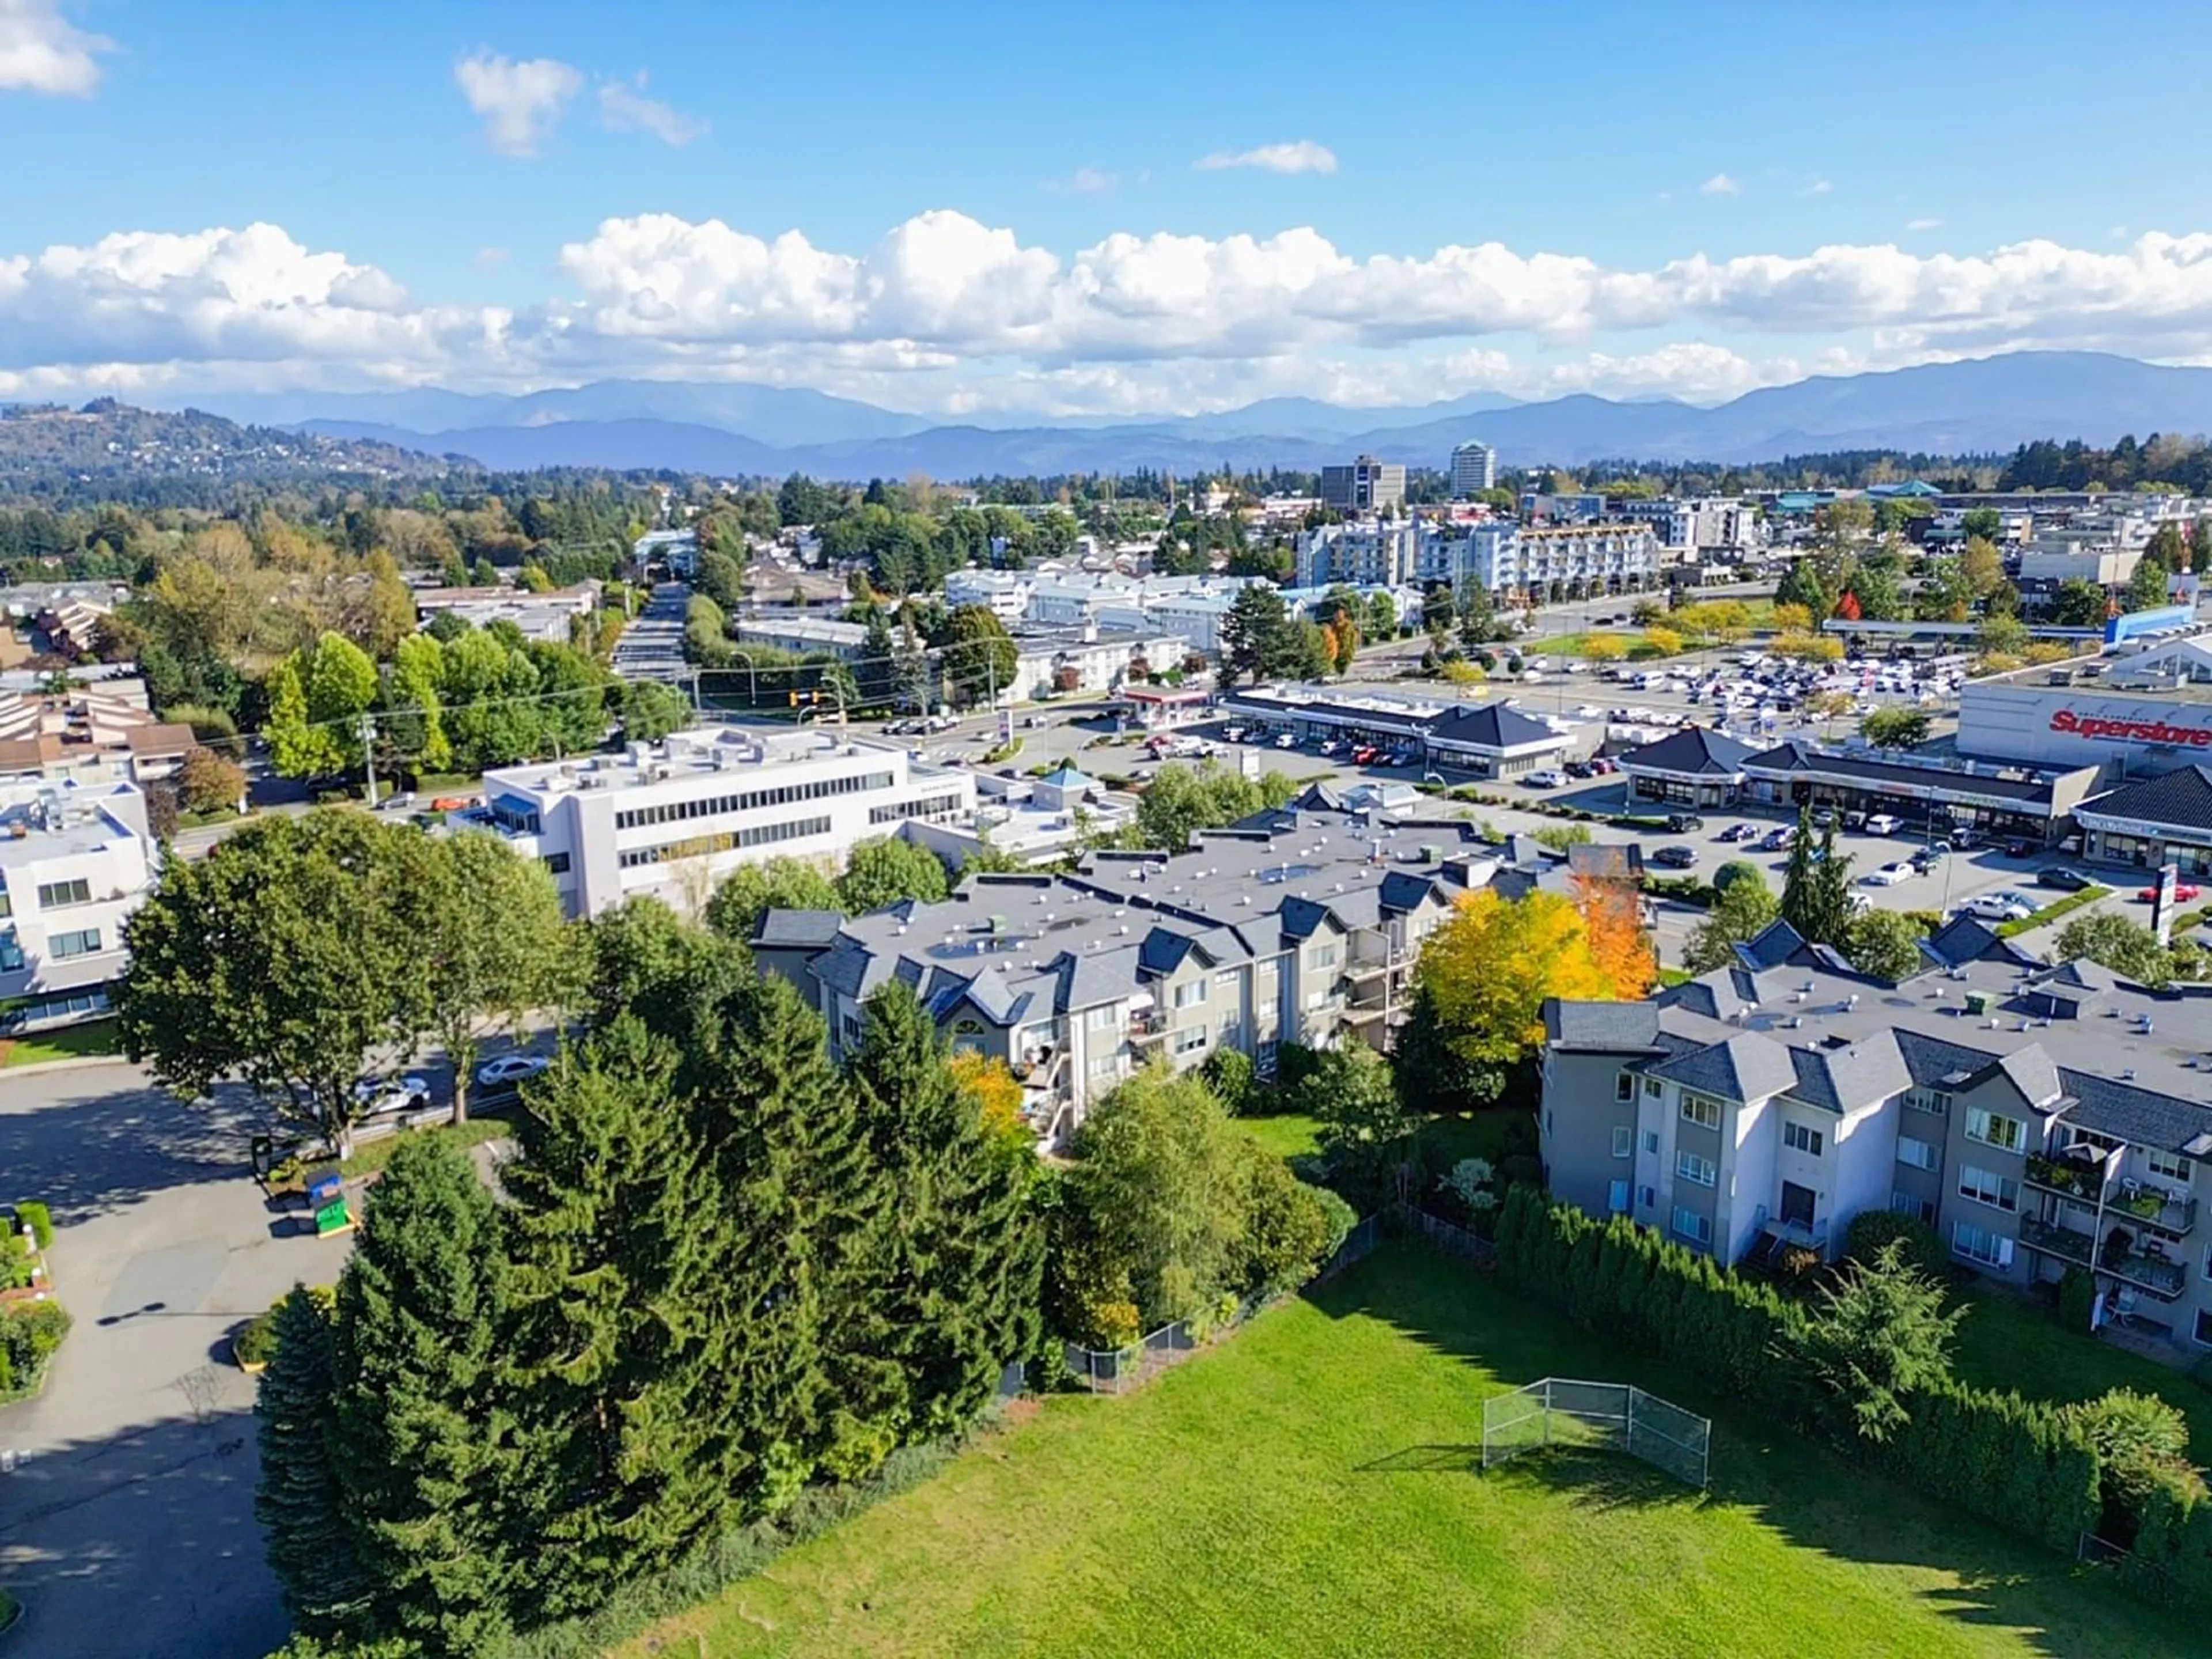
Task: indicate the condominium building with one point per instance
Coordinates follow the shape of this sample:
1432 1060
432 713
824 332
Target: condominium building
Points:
1553 560
1367 485
76 861
1372 551
1689 524
98 732
1299 925
2041 1117
672 819
1474 469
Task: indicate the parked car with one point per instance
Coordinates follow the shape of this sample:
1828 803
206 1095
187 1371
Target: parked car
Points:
509 1069
1890 874
1675 858
1544 779
2018 849
1736 832
1778 840
1884 823
1579 769
1997 907
1603 767
1683 824
1287 741
2183 893
2065 880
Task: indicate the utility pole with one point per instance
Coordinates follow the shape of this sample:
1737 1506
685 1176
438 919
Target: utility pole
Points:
368 753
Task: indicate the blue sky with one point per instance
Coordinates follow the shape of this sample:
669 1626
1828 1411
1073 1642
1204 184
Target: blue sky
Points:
987 206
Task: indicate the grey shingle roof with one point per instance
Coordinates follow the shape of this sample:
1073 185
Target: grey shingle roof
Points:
1775 944
2143 1116
1488 726
1747 1066
800 928
1794 756
1692 751
1609 1027
2182 798
1848 1078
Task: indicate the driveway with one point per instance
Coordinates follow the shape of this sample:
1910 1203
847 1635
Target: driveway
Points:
126 1488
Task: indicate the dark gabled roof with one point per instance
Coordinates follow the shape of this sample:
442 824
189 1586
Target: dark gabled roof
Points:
1401 891
1489 726
1694 750
1773 946
1846 1080
1606 861
1748 1066
2182 798
1164 949
2137 1115
1964 939
799 929
1608 1027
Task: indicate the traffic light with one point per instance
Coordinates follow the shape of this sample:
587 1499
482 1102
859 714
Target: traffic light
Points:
797 697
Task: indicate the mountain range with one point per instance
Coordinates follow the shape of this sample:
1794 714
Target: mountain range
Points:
1990 404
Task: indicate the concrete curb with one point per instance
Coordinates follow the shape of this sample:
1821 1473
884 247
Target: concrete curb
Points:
73 1063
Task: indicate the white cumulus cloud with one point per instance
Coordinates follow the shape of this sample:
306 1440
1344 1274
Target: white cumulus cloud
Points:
1301 155
520 102
623 107
946 311
41 51
1720 185
1923 224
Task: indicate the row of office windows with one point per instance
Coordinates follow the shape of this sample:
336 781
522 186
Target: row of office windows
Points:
60 947
930 807
782 795
759 834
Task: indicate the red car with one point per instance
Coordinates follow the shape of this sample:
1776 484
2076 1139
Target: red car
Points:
2183 893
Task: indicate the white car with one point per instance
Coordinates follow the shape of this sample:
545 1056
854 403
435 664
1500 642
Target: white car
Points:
392 1094
1997 907
1287 741
510 1068
1884 823
1889 875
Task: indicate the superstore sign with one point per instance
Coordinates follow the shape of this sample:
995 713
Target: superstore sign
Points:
2110 730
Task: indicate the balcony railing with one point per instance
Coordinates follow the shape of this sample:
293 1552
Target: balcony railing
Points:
2155 1273
1148 1027
2064 1174
2154 1208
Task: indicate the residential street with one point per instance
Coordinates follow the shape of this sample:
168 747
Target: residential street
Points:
126 1488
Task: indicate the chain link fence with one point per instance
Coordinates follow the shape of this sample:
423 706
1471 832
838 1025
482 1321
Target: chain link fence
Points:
1117 1371
1560 1411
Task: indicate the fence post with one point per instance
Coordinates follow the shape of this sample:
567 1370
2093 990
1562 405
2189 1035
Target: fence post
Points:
1629 1445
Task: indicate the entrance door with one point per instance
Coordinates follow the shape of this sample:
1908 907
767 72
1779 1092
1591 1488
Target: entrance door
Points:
1797 1204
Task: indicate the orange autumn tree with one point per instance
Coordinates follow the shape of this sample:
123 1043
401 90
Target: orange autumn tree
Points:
1612 924
1486 971
986 1081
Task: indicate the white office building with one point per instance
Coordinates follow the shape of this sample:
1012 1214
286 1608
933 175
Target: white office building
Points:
1474 469
672 819
75 861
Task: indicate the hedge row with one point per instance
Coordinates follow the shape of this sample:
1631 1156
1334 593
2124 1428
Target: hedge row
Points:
2022 1464
2050 913
2175 1536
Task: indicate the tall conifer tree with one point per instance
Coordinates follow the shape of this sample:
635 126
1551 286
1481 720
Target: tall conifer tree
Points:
624 1464
298 1502
422 1447
962 1248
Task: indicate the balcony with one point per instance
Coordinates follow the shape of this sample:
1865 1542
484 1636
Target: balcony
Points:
2153 1273
1149 1027
2073 1177
2154 1207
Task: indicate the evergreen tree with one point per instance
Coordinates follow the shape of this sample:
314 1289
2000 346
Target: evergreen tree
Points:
800 1201
298 1501
421 1444
962 1250
611 1348
1798 875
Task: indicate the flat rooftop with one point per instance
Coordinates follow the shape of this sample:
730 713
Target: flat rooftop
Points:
698 752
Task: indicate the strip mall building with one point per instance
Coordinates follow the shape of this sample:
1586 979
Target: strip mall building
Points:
2132 716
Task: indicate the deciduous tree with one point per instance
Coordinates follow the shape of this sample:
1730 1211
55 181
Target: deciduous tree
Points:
1487 971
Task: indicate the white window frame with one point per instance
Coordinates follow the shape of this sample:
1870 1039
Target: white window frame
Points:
1651 1142
1807 1139
1623 1086
1935 1160
1616 1198
1696 1109
1190 993
1981 1122
2170 1166
1700 1229
1981 1186
1698 1170
2001 1246
1624 1140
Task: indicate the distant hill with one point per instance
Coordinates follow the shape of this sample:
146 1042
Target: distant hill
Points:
44 447
1992 404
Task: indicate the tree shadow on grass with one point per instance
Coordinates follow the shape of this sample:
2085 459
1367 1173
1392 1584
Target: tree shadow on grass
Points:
1812 1496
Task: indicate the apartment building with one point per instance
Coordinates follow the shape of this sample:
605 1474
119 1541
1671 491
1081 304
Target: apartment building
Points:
1474 469
75 861
2038 1116
1552 561
1298 925
672 819
1685 526
1368 552
1367 485
100 731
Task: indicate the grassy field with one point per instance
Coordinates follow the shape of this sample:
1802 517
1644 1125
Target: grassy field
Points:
70 1042
1311 1489
2008 1342
1449 1139
488 1123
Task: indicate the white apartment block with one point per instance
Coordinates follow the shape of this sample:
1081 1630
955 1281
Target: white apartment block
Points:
1689 524
1474 469
1368 553
75 862
1536 561
672 819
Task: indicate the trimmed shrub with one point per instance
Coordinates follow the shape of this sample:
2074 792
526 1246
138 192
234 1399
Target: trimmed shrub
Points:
1870 1230
40 1219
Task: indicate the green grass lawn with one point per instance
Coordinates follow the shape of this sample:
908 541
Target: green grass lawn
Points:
70 1042
1287 1136
2006 1342
488 1124
1312 1488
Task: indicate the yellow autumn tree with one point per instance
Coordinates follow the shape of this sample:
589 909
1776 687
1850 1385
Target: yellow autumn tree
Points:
1488 969
986 1081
